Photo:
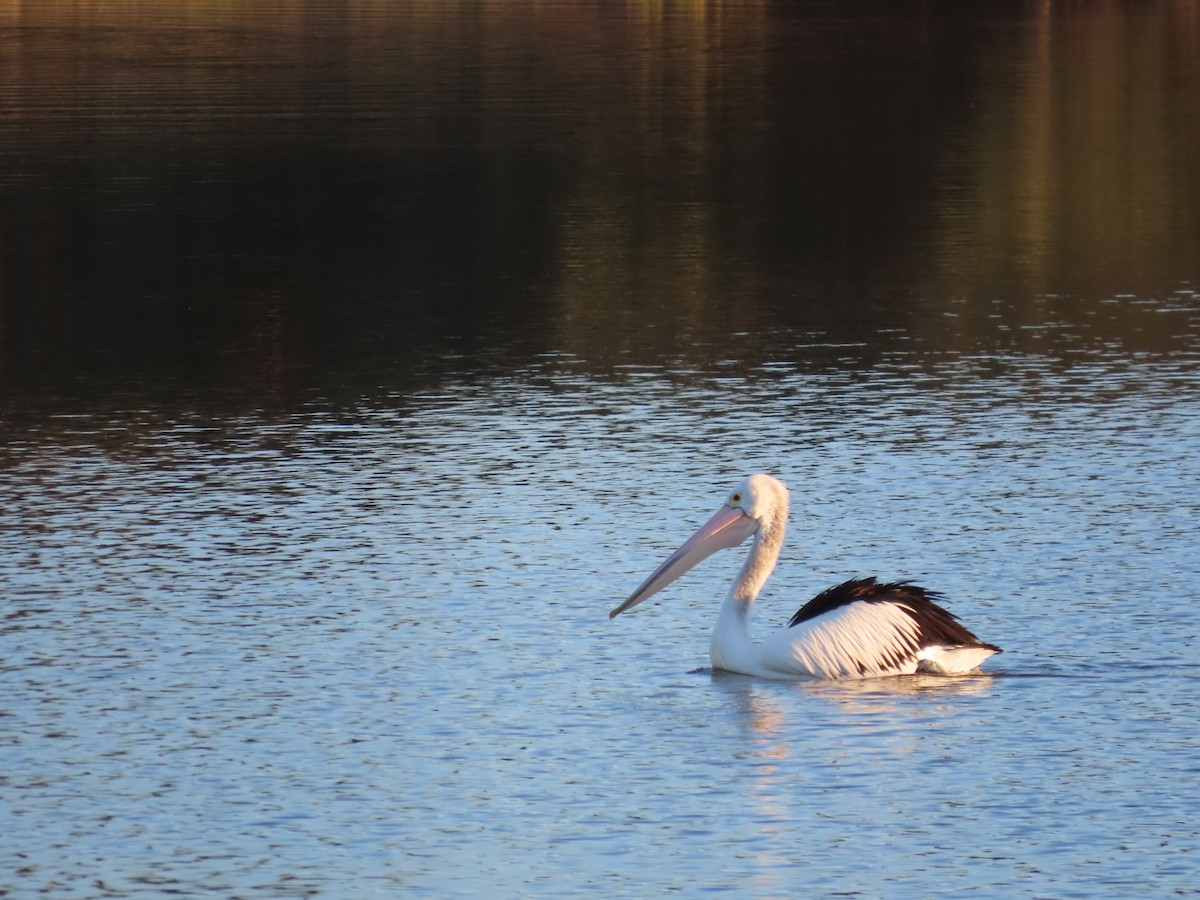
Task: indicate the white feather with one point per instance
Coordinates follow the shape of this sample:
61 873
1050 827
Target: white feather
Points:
856 640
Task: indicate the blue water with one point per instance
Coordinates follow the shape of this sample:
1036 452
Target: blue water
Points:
370 653
356 361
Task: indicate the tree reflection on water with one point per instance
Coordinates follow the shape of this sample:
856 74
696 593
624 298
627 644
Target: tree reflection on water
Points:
365 197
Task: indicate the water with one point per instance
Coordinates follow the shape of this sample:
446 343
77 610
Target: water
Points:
357 359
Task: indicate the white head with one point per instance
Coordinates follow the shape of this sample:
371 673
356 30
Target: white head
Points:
758 505
761 497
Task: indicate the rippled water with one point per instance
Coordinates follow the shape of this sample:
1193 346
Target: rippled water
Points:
368 653
338 416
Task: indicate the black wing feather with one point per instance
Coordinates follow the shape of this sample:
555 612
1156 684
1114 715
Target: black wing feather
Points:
936 626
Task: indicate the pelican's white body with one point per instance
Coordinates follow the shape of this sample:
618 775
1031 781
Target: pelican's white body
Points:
856 641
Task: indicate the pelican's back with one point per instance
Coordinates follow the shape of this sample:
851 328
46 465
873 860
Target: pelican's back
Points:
863 628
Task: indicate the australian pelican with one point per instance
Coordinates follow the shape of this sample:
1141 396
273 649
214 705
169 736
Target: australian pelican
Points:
859 629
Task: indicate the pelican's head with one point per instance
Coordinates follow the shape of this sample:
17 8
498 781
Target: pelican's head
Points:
756 502
761 497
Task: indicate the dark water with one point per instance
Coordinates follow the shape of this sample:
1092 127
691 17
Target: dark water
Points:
254 204
356 358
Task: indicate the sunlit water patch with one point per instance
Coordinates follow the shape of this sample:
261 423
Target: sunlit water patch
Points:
366 652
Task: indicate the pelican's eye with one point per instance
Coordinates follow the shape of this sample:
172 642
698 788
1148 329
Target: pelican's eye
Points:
735 499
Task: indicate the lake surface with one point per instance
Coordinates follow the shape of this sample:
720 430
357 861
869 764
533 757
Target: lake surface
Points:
357 358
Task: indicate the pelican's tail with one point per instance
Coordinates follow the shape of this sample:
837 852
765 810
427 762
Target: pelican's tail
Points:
956 659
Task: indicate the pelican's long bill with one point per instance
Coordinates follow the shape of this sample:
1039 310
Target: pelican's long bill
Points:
728 528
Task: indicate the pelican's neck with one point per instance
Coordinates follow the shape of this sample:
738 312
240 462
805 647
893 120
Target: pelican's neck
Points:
731 647
760 563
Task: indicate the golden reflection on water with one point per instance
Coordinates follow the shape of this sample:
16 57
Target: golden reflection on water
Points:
766 716
772 713
1081 174
633 180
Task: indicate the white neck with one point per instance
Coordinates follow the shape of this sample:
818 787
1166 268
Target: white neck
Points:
731 648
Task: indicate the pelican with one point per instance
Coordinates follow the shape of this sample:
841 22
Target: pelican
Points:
859 629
